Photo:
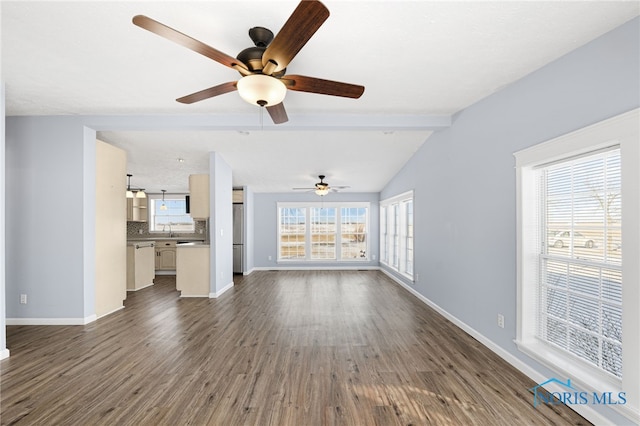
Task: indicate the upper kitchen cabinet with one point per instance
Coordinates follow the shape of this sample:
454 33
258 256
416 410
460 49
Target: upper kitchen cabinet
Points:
237 196
199 196
137 209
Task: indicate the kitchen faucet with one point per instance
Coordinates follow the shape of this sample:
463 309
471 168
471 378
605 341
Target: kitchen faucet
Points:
170 231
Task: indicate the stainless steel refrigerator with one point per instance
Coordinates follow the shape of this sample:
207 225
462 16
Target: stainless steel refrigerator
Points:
238 238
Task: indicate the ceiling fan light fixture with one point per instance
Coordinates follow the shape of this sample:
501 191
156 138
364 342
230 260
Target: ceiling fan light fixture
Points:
322 191
262 90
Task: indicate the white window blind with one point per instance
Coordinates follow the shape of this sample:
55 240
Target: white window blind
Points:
580 282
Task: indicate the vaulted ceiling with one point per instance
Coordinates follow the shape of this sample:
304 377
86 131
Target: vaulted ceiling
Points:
420 61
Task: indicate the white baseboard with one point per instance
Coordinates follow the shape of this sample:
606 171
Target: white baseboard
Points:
318 268
4 353
584 410
219 293
140 288
51 321
119 308
194 295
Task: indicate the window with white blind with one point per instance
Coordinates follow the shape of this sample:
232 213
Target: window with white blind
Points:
577 305
396 233
323 231
580 285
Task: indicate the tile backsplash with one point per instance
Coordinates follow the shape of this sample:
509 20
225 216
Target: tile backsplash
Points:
141 230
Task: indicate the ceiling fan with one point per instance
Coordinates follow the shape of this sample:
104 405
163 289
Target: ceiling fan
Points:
263 66
322 188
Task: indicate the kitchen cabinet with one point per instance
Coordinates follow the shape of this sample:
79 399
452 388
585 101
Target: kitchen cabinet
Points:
137 209
199 196
237 196
140 265
165 256
192 270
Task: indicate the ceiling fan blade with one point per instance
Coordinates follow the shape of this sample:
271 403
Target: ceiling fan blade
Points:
190 43
306 189
296 32
278 113
303 83
220 89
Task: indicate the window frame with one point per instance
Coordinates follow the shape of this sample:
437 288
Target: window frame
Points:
152 199
307 207
619 131
395 234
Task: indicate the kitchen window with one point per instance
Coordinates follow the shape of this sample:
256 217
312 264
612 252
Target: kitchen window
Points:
173 219
323 231
577 287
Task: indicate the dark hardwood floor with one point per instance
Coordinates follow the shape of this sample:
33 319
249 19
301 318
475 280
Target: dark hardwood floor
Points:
280 348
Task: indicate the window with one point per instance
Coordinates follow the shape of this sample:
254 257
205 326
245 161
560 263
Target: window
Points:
323 231
580 284
173 219
396 233
293 233
577 305
353 230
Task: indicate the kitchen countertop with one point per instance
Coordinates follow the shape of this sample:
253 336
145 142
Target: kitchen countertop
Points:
194 244
164 238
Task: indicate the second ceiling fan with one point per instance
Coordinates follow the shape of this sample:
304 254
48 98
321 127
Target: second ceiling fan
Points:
263 66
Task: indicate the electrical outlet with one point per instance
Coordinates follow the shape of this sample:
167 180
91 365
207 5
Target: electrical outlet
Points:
270 258
500 320
23 299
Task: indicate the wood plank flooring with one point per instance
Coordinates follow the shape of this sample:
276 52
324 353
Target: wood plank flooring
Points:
280 348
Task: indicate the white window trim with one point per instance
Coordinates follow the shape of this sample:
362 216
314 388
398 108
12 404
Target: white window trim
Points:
337 205
157 197
401 200
621 130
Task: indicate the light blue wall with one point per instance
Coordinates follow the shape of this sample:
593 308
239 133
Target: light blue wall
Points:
464 178
266 227
249 227
45 205
3 330
221 222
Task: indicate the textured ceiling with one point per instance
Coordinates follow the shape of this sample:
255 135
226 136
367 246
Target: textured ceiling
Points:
415 58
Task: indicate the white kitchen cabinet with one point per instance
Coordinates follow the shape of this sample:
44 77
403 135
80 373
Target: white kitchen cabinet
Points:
199 196
165 255
192 270
137 209
140 265
237 196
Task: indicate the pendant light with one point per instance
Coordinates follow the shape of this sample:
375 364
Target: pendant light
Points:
163 206
129 192
135 192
